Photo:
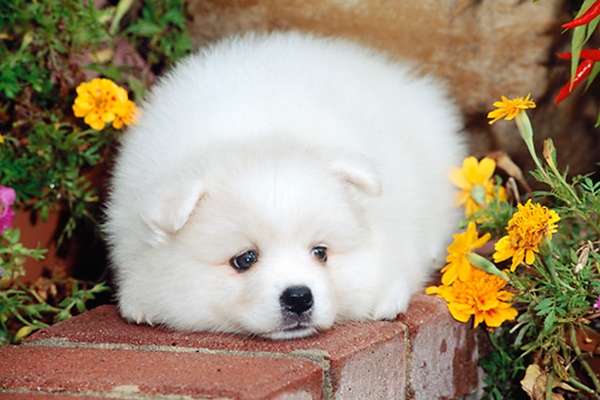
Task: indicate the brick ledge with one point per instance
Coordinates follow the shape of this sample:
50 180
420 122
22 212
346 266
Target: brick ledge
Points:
424 354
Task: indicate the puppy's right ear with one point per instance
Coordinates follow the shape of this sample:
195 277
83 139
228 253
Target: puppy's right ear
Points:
359 172
170 208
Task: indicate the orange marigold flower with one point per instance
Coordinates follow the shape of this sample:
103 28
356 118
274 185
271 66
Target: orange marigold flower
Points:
526 230
480 296
477 186
127 115
102 101
509 109
458 266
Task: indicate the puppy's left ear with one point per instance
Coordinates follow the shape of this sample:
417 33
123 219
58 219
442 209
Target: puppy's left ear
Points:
359 172
170 208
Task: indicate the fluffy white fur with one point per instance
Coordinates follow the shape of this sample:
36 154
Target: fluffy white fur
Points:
279 143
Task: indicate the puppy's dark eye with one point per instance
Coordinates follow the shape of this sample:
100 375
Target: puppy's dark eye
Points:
320 253
244 261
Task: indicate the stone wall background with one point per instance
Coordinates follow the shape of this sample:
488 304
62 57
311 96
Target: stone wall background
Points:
482 48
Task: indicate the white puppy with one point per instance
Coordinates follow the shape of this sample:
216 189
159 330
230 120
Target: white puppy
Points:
279 183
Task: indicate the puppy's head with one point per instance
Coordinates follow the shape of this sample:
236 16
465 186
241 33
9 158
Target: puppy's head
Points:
253 242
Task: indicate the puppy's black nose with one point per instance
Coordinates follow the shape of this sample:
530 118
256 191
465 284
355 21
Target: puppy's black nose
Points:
297 299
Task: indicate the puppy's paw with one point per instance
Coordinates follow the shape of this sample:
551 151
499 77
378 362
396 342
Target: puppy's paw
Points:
133 312
394 303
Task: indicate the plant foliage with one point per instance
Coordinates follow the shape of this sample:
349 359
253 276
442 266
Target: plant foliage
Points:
47 155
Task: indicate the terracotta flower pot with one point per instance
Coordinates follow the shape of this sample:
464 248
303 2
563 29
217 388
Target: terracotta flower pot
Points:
34 232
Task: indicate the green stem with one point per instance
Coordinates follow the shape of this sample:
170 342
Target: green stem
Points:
590 220
16 314
591 374
549 384
35 324
526 131
548 261
574 382
122 7
36 296
564 183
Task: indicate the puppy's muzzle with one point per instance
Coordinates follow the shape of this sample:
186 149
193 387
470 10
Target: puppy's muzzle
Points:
297 299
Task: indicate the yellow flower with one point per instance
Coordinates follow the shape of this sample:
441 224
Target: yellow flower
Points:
475 180
1 139
526 230
127 114
509 109
102 101
480 296
458 266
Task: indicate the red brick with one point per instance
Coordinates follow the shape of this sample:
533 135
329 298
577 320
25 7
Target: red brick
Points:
31 395
350 349
443 351
104 325
112 371
377 372
359 360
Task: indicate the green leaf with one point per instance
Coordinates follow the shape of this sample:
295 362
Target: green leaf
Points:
44 213
545 306
522 332
486 265
549 321
578 39
144 28
593 74
80 304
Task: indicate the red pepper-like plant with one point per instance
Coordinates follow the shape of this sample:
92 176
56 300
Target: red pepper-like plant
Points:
583 25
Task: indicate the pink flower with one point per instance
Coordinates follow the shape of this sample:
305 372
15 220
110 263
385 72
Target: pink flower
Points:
7 197
597 305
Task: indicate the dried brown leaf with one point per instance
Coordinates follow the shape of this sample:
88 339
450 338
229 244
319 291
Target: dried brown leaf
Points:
535 381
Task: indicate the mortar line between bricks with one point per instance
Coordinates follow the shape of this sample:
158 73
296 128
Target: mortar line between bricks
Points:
110 395
315 356
407 361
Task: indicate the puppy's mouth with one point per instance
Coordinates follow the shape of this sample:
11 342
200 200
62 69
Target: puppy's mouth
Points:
293 327
296 331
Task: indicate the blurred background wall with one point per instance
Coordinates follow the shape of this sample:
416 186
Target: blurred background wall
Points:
482 48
